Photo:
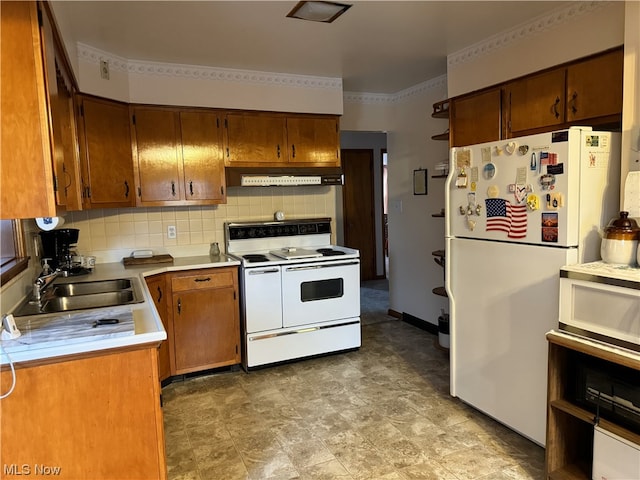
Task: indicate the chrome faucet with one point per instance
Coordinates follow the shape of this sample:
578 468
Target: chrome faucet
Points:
41 283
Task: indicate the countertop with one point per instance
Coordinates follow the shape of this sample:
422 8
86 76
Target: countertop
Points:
620 275
57 335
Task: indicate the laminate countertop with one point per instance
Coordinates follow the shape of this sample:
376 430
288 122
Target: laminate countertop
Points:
50 337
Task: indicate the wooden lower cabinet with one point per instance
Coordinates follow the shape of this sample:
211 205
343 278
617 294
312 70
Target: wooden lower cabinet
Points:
205 318
157 285
570 427
89 417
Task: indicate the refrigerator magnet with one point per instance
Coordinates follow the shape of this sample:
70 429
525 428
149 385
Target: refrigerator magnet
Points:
493 191
486 154
533 202
550 227
547 181
489 171
523 149
462 179
510 147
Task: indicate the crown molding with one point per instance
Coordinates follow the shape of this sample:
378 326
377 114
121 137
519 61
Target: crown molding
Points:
90 54
528 29
393 98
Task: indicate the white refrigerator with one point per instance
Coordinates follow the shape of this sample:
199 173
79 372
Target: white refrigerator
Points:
516 211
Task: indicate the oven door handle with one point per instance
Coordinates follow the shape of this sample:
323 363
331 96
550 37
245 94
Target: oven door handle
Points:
260 272
320 265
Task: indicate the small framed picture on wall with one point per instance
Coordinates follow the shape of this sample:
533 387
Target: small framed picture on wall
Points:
420 181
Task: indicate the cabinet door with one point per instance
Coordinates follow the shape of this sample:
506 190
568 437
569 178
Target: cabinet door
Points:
157 153
206 326
253 138
66 164
105 136
202 157
158 289
535 102
313 140
476 118
27 171
594 87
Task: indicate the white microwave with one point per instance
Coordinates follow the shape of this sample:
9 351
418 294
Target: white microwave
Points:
602 302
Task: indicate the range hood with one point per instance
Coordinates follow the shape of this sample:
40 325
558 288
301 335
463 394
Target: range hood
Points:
282 176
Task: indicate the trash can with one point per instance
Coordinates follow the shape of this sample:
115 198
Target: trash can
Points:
443 330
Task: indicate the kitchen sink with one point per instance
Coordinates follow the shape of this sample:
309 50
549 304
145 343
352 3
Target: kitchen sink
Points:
87 288
66 297
93 300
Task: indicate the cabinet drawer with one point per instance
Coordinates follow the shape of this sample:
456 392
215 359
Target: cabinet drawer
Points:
198 279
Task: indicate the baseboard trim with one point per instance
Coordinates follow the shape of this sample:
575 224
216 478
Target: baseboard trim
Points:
393 313
418 322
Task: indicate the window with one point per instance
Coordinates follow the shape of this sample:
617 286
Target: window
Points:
13 259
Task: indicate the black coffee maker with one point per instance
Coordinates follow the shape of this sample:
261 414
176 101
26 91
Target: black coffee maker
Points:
57 245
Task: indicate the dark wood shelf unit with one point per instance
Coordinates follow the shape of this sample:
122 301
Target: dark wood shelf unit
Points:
439 176
438 253
439 215
440 291
441 136
441 109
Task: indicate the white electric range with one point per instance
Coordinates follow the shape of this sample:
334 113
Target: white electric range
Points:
300 295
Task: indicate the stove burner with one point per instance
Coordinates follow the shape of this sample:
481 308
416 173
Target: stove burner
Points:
329 252
255 257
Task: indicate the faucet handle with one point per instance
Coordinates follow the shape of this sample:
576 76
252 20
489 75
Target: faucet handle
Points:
46 268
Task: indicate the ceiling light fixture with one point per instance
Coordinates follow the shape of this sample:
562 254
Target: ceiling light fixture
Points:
313 11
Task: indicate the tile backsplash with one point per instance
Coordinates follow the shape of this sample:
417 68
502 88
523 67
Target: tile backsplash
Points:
111 234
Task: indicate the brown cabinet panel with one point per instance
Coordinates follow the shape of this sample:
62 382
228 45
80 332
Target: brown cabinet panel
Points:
25 142
535 101
476 118
158 289
205 321
255 138
313 140
106 153
95 417
155 132
202 156
594 87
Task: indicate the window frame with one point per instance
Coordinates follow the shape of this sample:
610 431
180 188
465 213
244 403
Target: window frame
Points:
19 262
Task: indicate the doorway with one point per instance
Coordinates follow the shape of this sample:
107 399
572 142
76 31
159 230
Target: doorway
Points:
359 208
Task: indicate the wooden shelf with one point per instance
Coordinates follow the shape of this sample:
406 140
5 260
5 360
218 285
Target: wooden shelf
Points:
438 253
440 291
441 109
439 215
441 136
439 176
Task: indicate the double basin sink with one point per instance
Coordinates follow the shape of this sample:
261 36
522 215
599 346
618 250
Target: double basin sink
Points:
65 297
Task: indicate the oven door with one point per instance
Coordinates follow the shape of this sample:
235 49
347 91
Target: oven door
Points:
262 299
320 292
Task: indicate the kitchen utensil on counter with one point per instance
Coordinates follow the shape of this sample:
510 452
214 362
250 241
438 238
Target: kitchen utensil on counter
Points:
214 251
620 241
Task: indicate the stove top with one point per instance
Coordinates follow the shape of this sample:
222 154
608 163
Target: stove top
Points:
289 241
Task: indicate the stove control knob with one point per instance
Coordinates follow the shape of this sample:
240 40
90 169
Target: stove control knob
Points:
279 215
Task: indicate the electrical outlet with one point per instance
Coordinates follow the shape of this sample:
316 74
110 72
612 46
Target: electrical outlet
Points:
171 231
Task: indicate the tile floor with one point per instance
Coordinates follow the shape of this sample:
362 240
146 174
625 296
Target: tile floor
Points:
382 412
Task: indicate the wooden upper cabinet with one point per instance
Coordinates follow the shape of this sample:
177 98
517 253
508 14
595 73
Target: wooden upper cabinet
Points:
313 140
178 156
155 133
105 151
476 118
534 102
594 87
27 130
254 138
202 156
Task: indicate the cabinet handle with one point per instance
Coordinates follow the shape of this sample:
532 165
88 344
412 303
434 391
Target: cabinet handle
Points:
191 188
555 107
278 150
293 151
179 306
159 295
126 189
208 279
173 188
574 99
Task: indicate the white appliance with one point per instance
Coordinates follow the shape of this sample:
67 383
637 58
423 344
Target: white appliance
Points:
601 301
517 210
300 295
614 458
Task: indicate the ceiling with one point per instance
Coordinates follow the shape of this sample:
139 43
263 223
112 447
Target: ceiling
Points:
375 47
